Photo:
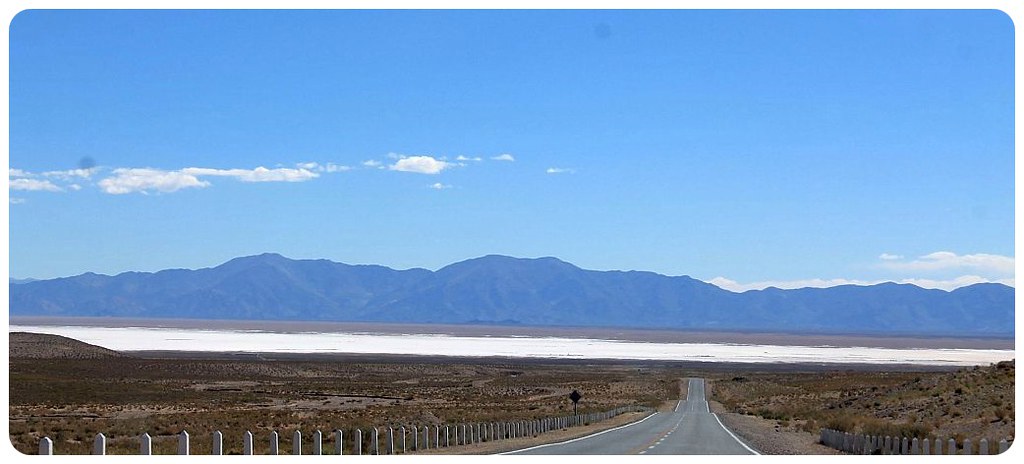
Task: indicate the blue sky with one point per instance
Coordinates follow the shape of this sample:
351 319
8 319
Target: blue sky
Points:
748 148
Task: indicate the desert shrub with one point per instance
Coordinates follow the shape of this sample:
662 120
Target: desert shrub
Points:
842 423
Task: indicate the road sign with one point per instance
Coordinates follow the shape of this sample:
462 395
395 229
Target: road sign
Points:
575 397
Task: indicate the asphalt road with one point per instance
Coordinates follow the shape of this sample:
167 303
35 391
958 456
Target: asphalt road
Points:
690 429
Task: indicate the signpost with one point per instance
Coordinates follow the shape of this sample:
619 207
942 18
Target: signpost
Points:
575 397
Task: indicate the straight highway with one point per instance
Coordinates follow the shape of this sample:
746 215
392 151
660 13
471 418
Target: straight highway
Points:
690 428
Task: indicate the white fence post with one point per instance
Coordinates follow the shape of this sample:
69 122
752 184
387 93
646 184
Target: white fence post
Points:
925 446
402 429
274 443
183 443
951 448
391 441
339 441
375 444
318 443
217 448
46 446
415 438
915 447
359 442
938 446
1003 446
99 444
297 443
968 449
983 446
447 442
247 443
145 444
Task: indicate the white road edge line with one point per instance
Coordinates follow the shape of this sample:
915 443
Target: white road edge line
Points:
734 436
580 438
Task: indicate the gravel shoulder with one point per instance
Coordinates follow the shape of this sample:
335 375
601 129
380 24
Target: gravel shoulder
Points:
767 437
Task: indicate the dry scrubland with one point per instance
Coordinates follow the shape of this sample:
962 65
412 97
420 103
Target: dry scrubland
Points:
69 391
122 397
967 403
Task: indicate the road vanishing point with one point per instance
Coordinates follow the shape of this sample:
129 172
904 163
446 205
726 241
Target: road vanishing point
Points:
690 428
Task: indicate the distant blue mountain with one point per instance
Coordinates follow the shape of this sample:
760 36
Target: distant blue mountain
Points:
504 290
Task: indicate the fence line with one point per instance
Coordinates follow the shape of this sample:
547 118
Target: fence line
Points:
453 435
874 444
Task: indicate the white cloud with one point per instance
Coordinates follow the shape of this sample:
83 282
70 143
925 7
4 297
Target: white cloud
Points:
466 158
372 164
145 180
503 157
888 257
331 167
419 164
72 173
34 185
259 174
440 186
946 284
17 201
560 171
987 264
19 173
310 165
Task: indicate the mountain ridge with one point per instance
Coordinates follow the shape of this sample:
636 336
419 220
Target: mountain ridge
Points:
501 289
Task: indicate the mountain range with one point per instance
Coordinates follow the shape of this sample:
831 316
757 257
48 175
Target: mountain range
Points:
504 290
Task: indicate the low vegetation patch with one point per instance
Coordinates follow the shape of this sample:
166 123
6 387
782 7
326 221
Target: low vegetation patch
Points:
974 403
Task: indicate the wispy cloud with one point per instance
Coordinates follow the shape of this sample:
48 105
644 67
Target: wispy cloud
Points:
440 186
16 201
941 284
888 257
35 185
987 264
71 174
259 174
467 158
503 157
560 171
420 164
331 167
373 164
